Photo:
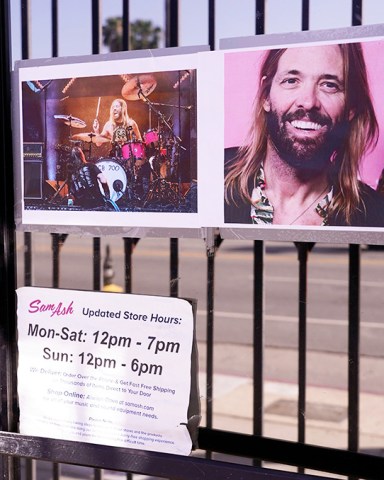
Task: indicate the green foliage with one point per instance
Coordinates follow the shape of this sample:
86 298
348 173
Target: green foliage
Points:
143 34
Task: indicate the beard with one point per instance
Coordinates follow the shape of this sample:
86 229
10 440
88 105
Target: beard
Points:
306 155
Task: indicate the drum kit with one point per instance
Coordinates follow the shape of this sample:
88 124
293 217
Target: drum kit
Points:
140 172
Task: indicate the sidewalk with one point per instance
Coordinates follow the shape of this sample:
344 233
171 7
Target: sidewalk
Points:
326 406
327 415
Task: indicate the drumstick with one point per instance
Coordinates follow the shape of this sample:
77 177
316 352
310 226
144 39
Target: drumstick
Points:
98 108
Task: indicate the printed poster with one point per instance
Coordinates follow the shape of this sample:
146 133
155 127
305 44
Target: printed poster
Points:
108 143
105 368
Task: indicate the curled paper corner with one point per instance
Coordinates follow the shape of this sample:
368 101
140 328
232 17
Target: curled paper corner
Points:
193 429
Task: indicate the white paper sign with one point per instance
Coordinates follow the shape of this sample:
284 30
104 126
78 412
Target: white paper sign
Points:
106 368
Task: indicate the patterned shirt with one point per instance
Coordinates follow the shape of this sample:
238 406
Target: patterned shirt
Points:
262 210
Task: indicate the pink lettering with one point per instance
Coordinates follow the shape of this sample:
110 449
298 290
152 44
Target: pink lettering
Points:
37 306
34 306
61 310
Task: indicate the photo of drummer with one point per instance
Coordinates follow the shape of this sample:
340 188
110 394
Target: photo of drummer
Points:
118 119
123 133
312 124
138 130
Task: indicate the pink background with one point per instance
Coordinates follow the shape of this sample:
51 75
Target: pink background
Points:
240 84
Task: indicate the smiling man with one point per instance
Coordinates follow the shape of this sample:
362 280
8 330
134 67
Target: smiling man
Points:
119 123
313 121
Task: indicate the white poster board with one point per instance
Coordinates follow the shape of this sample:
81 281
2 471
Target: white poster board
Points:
105 368
126 122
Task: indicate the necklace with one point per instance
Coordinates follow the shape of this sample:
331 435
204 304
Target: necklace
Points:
309 206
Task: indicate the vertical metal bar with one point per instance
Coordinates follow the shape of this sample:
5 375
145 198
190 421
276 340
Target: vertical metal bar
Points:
56 245
357 9
303 250
8 359
55 260
211 24
58 240
260 17
7 244
25 54
98 474
305 15
258 338
353 347
30 469
95 26
129 245
172 23
30 465
210 317
126 25
96 263
128 249
55 50
25 29
27 259
174 267
56 471
302 334
211 253
96 240
258 335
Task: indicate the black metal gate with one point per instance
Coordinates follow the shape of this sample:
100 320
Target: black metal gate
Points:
222 454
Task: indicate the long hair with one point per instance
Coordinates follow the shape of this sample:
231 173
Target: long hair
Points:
362 134
124 112
77 157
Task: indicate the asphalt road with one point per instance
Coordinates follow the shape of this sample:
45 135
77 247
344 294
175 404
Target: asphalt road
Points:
327 306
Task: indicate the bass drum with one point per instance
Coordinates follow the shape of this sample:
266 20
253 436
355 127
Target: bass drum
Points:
116 178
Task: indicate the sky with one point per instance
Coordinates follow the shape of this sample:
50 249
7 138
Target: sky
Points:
234 18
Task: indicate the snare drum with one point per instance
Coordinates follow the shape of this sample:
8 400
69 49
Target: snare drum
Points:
133 150
151 138
116 178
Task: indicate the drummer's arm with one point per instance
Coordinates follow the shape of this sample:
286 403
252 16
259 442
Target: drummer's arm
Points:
104 133
104 183
96 126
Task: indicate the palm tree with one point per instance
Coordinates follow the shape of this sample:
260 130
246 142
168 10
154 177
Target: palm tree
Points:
113 34
143 34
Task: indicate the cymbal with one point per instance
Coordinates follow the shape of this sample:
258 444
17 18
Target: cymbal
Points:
91 137
71 121
138 86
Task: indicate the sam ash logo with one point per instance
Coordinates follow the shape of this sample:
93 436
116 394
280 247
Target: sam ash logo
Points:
37 306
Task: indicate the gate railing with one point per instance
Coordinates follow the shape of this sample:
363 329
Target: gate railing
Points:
250 451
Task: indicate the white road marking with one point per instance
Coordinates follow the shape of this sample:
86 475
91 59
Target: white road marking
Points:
289 319
324 281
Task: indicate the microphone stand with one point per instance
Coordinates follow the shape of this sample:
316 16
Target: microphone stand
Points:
160 185
183 107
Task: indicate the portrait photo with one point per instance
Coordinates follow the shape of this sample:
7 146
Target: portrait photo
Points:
303 135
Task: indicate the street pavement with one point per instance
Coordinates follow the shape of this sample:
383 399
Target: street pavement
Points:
327 362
